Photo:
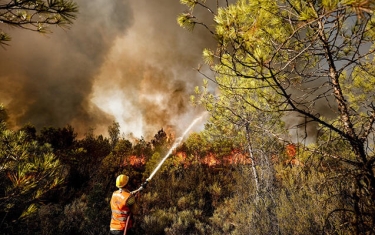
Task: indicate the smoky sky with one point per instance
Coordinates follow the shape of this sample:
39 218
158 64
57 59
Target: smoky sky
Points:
124 61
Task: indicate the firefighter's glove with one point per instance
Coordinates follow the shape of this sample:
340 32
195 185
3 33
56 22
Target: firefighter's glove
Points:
144 184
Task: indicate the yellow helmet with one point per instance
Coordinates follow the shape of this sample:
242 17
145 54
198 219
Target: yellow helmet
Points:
121 181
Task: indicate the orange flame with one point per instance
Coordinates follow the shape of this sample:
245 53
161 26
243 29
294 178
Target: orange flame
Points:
291 150
210 160
135 161
181 159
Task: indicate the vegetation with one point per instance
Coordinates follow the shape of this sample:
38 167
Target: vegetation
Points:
309 64
288 148
63 185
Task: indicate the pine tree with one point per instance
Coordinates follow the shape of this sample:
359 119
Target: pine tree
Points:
311 62
36 15
30 174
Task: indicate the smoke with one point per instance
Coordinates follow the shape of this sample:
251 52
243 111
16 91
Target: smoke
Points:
121 60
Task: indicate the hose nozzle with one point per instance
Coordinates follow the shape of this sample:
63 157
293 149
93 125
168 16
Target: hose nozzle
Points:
143 186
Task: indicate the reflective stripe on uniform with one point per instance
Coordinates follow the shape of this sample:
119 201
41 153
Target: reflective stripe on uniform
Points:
122 219
120 212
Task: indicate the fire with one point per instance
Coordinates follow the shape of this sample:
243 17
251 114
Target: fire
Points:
181 159
236 157
210 160
291 152
171 134
135 161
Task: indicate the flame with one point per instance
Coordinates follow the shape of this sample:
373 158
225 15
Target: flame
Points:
171 134
291 150
181 159
135 161
236 157
210 160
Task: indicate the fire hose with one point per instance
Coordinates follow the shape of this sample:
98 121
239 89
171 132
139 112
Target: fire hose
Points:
175 144
143 186
135 192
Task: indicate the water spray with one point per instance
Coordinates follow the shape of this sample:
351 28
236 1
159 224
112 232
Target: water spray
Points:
176 143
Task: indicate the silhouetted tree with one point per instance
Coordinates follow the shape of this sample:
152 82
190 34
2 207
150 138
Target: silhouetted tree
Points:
30 172
114 133
159 142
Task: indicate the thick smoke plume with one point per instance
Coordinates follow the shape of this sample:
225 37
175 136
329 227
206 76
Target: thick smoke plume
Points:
125 61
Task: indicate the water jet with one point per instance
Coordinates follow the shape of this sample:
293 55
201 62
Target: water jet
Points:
176 143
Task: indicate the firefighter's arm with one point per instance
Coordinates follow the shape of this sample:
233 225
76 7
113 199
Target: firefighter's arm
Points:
132 204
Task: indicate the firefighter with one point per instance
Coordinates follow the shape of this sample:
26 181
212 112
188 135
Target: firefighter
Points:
123 205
